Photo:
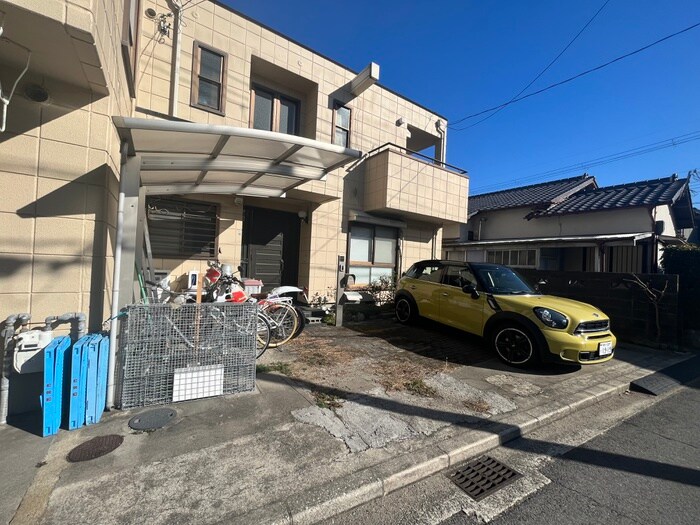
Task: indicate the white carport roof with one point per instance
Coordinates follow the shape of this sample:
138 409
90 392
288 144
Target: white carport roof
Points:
186 157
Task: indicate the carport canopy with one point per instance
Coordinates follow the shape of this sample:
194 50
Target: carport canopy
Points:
162 157
185 157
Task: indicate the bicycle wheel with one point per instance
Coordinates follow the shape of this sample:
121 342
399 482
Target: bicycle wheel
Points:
284 322
262 335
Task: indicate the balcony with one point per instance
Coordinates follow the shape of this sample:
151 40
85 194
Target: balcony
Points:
400 181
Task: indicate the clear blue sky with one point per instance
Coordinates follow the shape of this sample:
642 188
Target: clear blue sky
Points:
459 57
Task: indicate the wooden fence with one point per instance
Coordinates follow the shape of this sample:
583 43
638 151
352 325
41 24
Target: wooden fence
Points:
632 313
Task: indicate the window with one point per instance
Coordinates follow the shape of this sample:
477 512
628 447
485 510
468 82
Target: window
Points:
372 252
519 258
430 271
182 229
272 111
130 31
208 79
459 276
341 126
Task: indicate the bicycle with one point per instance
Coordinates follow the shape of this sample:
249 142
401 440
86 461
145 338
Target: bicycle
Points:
285 320
262 329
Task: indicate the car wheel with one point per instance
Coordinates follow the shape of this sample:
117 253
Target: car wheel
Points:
514 345
406 311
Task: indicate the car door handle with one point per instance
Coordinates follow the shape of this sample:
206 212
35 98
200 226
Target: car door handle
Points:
445 294
413 287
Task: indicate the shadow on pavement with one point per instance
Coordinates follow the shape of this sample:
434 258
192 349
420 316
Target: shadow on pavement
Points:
433 340
509 433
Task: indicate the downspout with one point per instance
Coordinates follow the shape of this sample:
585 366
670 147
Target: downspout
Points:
115 282
176 8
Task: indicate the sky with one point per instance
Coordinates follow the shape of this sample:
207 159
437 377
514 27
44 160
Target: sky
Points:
460 57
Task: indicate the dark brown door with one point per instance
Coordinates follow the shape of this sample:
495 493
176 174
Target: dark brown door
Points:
271 246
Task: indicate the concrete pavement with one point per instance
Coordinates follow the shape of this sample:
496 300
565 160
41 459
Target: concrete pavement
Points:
257 458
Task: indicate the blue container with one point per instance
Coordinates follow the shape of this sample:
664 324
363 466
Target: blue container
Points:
52 390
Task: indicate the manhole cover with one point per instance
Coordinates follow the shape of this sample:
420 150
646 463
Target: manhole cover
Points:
96 447
483 476
152 419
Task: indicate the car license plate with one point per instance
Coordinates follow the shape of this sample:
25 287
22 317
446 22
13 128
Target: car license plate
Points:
605 349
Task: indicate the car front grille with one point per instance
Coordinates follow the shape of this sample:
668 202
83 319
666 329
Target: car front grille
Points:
593 326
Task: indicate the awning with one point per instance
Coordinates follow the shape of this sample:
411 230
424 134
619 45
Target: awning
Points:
186 157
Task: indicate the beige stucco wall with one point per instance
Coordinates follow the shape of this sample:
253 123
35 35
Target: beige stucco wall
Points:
511 224
59 173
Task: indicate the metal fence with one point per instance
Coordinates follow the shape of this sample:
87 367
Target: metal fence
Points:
173 353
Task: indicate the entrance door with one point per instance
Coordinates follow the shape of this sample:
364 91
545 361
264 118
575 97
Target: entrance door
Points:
271 246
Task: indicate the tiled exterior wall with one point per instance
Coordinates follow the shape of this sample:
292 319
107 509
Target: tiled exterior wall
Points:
396 182
59 162
256 54
59 166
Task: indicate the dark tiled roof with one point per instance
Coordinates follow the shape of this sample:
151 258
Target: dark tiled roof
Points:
534 196
630 195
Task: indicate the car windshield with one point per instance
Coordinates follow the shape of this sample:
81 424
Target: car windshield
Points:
503 281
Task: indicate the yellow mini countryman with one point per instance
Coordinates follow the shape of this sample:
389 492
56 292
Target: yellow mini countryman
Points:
492 301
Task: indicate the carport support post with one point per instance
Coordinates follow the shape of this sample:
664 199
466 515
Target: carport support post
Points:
340 291
129 204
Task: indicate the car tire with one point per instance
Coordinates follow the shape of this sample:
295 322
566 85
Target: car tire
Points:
405 309
515 345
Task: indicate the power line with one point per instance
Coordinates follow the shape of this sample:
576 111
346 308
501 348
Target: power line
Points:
600 161
570 79
539 75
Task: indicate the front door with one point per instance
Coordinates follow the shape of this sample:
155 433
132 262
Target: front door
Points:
270 246
457 308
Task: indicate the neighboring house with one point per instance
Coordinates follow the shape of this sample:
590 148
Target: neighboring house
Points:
224 137
574 225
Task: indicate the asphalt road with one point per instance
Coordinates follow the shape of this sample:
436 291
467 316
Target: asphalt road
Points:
644 470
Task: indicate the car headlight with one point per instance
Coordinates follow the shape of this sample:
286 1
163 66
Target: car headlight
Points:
551 318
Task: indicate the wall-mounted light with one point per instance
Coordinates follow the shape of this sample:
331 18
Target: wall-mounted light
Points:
304 216
400 121
238 201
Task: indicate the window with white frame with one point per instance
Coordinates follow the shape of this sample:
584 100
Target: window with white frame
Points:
517 258
372 252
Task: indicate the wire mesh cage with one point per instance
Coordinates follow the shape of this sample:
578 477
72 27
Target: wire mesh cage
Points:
173 353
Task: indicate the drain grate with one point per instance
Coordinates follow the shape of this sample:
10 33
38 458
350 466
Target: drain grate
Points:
96 447
152 419
483 476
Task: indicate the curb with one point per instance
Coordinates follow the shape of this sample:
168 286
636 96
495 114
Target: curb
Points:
340 495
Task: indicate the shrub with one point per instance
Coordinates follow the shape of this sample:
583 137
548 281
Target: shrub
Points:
382 290
684 261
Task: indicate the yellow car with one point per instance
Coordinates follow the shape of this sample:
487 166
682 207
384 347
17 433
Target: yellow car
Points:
494 302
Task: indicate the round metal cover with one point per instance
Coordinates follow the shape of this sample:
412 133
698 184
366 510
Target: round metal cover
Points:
96 447
152 419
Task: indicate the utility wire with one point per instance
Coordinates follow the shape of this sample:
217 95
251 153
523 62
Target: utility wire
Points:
570 79
538 76
607 159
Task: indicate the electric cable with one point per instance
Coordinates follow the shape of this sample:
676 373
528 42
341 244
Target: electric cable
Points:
600 161
579 75
540 73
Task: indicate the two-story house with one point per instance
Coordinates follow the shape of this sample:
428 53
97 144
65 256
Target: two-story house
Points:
211 136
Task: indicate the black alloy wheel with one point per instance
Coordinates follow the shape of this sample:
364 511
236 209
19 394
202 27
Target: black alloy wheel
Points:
514 346
405 309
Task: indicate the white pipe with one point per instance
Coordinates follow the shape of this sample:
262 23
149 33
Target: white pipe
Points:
115 282
177 45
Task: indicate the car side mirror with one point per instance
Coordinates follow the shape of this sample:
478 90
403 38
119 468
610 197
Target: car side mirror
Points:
471 289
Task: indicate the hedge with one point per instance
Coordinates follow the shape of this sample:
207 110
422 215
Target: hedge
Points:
684 261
